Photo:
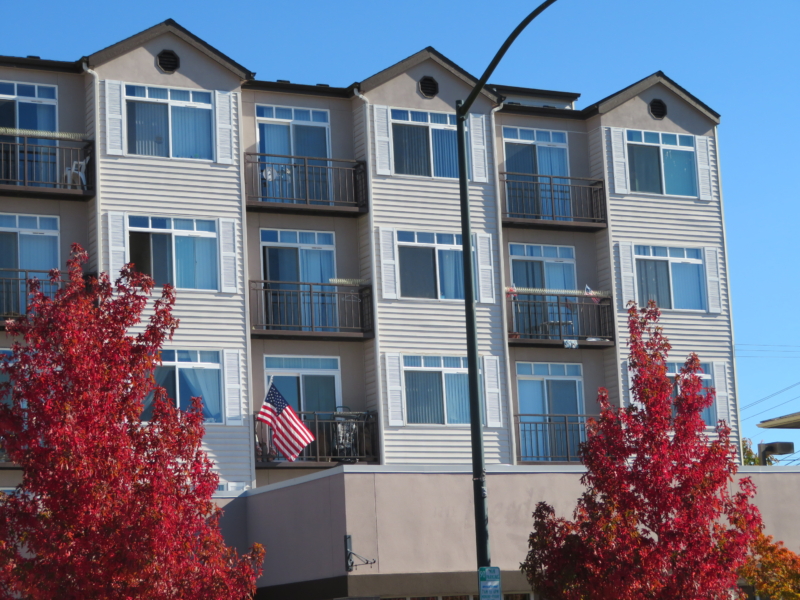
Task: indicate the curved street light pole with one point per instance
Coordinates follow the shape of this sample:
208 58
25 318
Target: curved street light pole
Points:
478 461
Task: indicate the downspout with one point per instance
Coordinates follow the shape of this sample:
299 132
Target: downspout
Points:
96 167
503 308
373 278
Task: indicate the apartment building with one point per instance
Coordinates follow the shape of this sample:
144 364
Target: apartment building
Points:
313 236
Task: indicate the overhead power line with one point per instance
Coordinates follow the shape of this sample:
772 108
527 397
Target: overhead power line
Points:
770 408
752 404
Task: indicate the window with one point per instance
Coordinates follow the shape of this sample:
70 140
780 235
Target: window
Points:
424 143
662 163
185 374
169 122
5 355
437 390
309 383
709 413
673 277
181 252
551 423
28 248
431 265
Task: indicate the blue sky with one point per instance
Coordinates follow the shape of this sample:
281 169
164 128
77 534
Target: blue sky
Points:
740 58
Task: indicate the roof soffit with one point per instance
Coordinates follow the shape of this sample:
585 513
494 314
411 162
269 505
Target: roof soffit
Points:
168 26
428 53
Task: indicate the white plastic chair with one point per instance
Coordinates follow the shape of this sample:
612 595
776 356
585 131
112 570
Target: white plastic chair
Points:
76 175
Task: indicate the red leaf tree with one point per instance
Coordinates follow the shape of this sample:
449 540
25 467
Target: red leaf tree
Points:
108 507
657 520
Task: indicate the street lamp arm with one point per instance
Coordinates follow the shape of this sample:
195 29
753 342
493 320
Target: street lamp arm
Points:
499 56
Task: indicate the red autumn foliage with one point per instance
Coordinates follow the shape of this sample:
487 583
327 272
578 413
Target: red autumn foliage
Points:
657 520
109 507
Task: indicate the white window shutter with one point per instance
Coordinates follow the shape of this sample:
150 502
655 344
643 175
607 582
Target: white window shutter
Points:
477 135
711 259
491 391
394 389
485 268
704 167
627 268
117 244
720 376
228 262
389 261
619 160
224 115
115 99
383 141
233 387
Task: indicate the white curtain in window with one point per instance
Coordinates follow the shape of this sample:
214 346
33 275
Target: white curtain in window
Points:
320 306
424 401
196 262
554 192
41 158
191 132
147 129
457 392
206 384
445 153
451 274
688 286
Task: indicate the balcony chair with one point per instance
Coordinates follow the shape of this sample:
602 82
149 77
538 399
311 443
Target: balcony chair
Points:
76 175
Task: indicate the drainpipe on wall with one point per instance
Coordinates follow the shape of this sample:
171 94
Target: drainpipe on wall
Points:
379 390
96 161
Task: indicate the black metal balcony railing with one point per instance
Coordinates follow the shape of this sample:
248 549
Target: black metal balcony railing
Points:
33 163
303 180
310 307
14 290
549 438
340 437
551 198
551 317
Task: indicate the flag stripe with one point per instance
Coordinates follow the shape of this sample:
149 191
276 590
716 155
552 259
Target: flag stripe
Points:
289 434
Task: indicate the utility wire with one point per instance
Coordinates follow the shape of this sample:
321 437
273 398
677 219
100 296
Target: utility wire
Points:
770 408
752 404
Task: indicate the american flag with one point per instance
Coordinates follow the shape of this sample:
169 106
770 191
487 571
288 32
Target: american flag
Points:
590 293
289 434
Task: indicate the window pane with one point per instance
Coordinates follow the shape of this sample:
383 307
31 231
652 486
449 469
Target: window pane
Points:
400 115
445 238
542 136
439 118
424 237
669 138
686 140
419 117
45 91
264 112
445 153
288 237
6 89
693 253
653 280
677 253
206 384
563 397
269 235
28 223
325 239
48 223
411 151
573 370
557 369
432 362
191 133
208 356
184 224
533 250
451 274
642 250
524 369
161 244
165 377
424 397
203 225
559 137
302 114
566 253
161 223
307 237
510 133
201 97
138 91
650 137
412 361
147 129
517 250
541 369
406 236
644 169
138 221
526 134
319 116
679 172
319 393
417 272
688 286
182 95
139 247
634 136
38 253
452 362
283 113
159 93
457 388
289 387
196 262
659 251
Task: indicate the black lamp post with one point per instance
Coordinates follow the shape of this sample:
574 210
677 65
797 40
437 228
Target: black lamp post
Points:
478 462
773 449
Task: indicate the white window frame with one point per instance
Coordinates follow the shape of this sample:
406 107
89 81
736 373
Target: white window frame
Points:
542 377
176 364
450 126
542 258
436 247
442 369
173 232
294 121
300 371
33 100
670 260
535 142
170 103
661 147
674 369
37 231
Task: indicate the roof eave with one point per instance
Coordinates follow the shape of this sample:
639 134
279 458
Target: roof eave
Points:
299 88
39 64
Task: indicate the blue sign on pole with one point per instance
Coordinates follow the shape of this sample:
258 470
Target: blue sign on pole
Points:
489 582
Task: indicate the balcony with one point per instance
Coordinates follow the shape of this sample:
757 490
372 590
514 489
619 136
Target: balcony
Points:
559 318
299 310
341 437
49 165
305 185
549 202
14 290
549 438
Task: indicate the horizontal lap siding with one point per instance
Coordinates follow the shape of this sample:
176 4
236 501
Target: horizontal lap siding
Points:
208 319
432 327
678 222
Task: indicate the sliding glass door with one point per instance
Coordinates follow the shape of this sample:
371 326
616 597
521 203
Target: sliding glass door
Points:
537 197
551 427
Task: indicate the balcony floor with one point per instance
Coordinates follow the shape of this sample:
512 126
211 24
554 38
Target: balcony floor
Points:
582 344
333 336
553 225
306 209
50 193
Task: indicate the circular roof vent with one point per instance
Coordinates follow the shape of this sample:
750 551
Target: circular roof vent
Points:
428 86
168 61
658 109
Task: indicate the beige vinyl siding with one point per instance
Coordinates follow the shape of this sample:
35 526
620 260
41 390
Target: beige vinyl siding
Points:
91 208
359 129
208 319
666 221
437 327
371 381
